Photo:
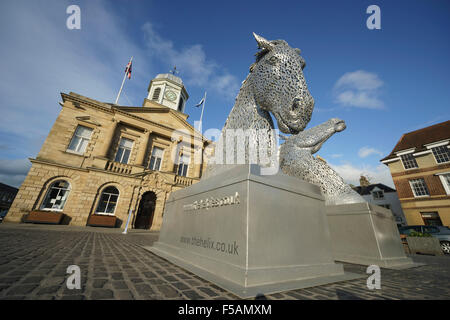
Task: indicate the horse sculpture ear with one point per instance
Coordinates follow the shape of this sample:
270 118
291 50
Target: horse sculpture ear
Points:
263 43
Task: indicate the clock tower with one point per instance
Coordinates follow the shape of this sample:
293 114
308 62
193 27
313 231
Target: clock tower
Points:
169 91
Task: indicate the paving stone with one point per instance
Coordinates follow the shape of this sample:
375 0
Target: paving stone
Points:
98 294
208 291
168 291
114 266
99 283
74 297
124 295
119 285
46 290
22 289
180 285
191 294
33 280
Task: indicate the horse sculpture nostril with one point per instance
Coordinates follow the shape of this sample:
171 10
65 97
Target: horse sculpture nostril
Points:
295 104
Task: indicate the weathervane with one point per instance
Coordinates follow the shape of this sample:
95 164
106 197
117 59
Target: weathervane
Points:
174 71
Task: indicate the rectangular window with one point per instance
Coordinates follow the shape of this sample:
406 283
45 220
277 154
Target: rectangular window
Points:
419 187
431 218
377 195
156 158
80 139
183 165
409 161
441 154
124 151
445 179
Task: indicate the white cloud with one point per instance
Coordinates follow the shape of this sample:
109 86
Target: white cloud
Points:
366 151
359 89
196 68
351 173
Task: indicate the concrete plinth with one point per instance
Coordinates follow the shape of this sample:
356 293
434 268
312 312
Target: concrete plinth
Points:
366 234
250 234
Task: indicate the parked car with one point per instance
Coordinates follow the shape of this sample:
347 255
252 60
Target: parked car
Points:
440 232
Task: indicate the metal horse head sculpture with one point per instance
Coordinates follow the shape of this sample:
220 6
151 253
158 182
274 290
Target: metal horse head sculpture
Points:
279 86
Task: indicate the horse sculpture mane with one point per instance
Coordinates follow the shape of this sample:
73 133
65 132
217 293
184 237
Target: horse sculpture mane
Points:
276 85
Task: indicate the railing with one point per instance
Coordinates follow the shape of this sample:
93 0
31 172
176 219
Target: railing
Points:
185 181
118 167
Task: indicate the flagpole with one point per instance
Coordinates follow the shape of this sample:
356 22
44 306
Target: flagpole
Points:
123 82
201 115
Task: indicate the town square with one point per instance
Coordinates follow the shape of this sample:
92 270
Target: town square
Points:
249 152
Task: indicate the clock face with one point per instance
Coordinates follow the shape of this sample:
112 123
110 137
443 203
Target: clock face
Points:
170 95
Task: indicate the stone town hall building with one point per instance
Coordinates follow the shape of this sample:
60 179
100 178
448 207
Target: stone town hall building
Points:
101 160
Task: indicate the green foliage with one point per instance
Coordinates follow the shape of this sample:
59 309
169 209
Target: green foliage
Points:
418 234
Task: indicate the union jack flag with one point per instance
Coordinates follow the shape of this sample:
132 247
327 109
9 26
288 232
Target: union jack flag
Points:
128 69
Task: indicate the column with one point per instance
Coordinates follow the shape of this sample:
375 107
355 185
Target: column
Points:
172 153
140 159
107 139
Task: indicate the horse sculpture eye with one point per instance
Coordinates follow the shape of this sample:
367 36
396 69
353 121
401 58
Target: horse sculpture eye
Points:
273 60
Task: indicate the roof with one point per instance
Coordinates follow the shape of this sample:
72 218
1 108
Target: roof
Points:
170 77
419 138
364 190
5 187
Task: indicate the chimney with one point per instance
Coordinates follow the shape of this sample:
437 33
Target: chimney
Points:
363 181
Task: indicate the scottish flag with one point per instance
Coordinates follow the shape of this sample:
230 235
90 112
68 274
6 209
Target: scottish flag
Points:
200 103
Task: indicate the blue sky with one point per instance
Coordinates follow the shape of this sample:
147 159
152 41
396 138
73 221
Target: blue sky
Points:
383 83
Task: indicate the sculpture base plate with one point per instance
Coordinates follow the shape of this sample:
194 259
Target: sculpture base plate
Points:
257 290
366 234
250 234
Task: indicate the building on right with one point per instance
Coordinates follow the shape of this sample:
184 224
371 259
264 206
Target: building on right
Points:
420 169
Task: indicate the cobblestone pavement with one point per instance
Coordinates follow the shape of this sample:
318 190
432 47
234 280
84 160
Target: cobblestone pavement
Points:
34 260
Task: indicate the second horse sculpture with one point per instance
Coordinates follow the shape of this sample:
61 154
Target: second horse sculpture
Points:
276 85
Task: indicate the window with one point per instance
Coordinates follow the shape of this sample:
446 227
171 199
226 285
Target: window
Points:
377 195
123 153
445 179
431 219
429 229
156 93
180 104
183 165
419 187
108 201
80 139
441 154
156 158
56 196
409 161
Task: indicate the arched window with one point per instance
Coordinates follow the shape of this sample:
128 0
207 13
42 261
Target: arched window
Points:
56 196
156 94
108 201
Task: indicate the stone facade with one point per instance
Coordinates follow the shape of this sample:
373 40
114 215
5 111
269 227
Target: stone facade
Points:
92 168
422 156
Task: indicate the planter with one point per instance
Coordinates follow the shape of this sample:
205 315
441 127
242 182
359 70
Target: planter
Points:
46 217
424 245
97 220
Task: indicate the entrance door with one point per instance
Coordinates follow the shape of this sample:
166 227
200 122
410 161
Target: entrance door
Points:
144 217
